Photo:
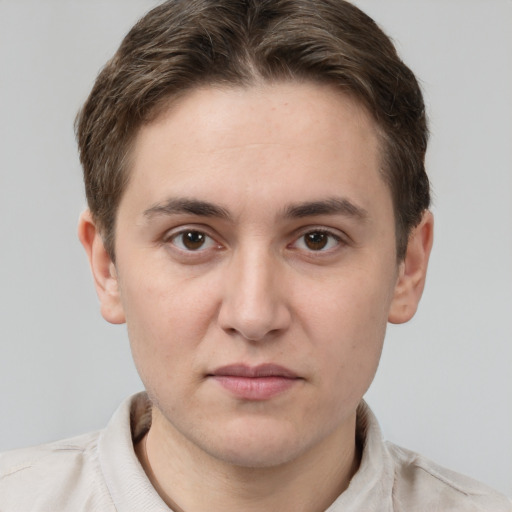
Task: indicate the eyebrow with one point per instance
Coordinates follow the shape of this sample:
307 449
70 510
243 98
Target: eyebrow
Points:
176 206
330 206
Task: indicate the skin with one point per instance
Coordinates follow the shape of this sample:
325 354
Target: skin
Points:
293 262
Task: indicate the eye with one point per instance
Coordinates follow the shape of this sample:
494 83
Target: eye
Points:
192 240
317 241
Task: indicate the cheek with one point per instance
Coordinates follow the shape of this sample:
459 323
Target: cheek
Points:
348 323
166 318
353 304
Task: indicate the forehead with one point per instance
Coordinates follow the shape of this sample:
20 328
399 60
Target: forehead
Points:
262 110
265 140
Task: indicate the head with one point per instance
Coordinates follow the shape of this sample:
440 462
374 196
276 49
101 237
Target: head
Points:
254 171
183 45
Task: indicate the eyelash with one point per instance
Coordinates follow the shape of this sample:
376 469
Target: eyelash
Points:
325 233
333 241
180 234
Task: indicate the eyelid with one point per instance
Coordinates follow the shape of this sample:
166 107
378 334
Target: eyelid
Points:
341 238
176 230
174 233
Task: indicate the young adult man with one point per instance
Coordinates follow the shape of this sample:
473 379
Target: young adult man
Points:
258 212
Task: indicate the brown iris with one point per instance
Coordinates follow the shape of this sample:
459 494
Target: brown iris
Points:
316 240
193 240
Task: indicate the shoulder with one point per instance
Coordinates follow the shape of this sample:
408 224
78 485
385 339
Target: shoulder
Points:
418 480
65 450
64 475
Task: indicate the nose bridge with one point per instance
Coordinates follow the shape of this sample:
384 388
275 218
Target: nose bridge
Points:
253 302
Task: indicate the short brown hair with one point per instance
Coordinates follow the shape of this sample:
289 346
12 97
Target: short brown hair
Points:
183 44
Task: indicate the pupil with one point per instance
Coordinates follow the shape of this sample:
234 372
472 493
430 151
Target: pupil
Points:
193 240
316 241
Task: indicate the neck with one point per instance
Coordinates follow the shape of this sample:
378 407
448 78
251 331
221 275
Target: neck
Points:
189 481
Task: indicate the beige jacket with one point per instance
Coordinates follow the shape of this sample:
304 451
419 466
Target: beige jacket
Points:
99 472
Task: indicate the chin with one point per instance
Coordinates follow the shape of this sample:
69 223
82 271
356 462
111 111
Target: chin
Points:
259 455
256 446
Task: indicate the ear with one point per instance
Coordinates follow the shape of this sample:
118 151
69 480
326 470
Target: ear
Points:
412 272
103 270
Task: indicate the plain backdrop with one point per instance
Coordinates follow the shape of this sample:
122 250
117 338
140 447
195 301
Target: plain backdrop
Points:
444 387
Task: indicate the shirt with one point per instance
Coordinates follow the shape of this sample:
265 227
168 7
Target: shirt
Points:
100 472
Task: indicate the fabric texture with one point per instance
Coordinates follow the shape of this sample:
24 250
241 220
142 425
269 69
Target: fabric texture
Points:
100 472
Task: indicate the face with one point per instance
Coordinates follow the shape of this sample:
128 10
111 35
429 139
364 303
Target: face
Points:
256 268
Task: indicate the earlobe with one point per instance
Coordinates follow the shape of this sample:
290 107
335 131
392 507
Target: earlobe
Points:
103 269
412 272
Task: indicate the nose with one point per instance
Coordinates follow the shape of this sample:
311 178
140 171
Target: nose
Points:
254 303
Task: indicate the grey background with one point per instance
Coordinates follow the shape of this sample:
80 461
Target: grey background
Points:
444 387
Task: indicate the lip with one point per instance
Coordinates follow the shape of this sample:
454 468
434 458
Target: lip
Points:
256 383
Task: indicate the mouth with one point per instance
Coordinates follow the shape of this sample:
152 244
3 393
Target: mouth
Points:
255 383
